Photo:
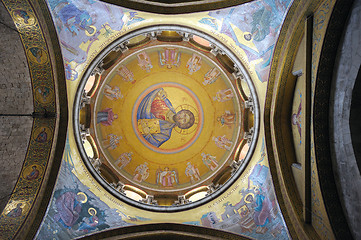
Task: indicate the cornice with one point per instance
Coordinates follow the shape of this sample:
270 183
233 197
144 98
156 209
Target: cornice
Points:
176 6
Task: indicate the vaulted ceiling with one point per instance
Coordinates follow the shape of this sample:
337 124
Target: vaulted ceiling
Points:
280 69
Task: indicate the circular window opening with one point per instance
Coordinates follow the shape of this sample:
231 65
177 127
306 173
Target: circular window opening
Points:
166 118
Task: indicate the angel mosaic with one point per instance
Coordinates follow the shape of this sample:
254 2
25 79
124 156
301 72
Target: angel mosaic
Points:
144 61
141 172
227 118
169 57
210 161
112 141
211 76
125 74
134 18
224 95
124 159
222 142
112 93
167 177
194 63
192 172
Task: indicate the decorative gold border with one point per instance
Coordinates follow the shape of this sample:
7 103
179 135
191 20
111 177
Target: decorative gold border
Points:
291 32
277 129
323 75
43 147
277 118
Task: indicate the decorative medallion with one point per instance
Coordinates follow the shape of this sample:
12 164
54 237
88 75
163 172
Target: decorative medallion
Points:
32 172
42 134
37 55
157 121
23 17
44 94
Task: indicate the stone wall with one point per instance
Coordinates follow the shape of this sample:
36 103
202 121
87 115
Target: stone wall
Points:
347 174
15 98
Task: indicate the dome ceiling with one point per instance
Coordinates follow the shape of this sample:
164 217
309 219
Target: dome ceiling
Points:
167 115
98 178
148 150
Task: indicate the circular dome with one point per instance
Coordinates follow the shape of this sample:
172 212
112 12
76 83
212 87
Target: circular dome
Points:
166 118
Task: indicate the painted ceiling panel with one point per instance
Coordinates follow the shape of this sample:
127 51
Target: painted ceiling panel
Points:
80 205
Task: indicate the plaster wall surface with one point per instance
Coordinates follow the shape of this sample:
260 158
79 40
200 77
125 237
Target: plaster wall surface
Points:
345 167
15 98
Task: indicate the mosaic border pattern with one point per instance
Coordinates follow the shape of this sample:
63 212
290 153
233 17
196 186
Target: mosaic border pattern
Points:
321 93
287 196
321 174
16 219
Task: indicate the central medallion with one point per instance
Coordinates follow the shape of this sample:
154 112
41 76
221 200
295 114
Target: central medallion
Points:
167 117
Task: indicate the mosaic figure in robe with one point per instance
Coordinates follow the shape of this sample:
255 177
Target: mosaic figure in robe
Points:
167 177
223 142
112 93
34 174
211 76
16 212
262 208
125 74
42 136
68 207
156 117
141 172
169 57
210 161
144 61
194 63
112 141
106 117
227 118
224 95
192 172
89 223
124 159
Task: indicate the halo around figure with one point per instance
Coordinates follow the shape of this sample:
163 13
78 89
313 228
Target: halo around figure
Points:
90 211
191 125
90 33
248 196
85 197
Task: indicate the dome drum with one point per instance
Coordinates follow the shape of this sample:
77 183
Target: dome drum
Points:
170 121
